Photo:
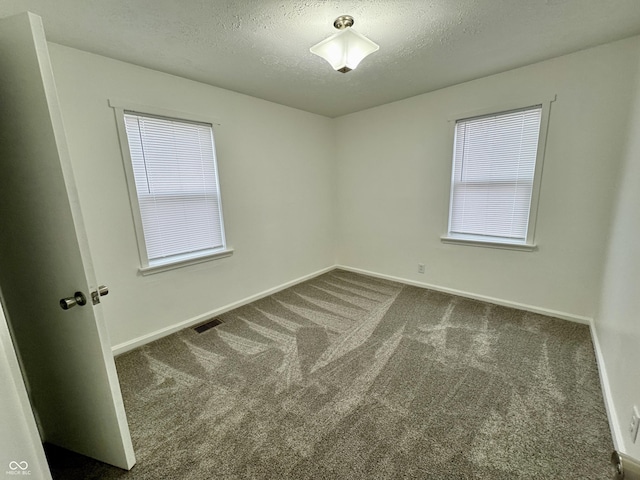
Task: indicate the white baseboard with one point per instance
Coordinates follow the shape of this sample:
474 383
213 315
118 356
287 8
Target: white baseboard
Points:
614 426
163 332
498 301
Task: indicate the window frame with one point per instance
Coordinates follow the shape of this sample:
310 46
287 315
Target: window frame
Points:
498 242
121 107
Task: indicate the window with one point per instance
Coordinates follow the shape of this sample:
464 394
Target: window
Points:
173 186
495 178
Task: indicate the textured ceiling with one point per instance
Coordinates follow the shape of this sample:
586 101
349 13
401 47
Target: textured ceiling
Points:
261 47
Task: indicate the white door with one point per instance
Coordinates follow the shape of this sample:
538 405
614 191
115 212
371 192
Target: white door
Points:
44 257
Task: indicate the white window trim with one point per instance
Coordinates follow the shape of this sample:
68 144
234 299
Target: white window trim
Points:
491 242
178 261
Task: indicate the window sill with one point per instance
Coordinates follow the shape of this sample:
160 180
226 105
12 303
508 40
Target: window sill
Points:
183 261
474 242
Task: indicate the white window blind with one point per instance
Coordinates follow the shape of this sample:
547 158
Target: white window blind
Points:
176 182
494 164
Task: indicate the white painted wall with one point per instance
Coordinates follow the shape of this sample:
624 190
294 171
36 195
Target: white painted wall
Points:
19 438
617 322
276 174
394 175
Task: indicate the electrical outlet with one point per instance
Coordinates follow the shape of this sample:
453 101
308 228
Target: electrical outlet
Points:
635 423
421 268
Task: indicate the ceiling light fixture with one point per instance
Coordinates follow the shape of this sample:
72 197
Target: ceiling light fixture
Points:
346 49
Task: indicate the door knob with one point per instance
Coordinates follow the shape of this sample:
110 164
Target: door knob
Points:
101 291
69 302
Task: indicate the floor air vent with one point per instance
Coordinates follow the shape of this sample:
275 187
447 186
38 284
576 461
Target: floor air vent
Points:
209 325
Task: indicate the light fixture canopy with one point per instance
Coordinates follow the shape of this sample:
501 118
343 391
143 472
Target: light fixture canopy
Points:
345 49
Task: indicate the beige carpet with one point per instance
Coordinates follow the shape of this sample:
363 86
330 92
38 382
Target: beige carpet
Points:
351 377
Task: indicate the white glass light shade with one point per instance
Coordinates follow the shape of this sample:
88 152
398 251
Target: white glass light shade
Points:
345 50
